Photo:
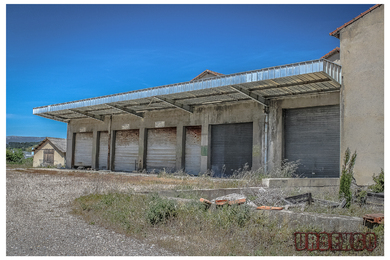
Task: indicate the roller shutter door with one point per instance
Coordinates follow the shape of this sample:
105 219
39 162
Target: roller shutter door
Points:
161 149
126 150
83 149
231 148
312 135
193 149
103 150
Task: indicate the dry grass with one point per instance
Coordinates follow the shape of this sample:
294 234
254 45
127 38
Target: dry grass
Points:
111 201
196 231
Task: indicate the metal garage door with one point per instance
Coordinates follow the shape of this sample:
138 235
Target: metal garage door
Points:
126 150
231 147
193 149
312 135
103 150
161 149
83 149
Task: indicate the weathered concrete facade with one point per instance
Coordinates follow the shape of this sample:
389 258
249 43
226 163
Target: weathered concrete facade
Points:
267 147
203 116
362 93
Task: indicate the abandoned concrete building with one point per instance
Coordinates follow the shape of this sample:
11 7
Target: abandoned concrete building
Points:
309 111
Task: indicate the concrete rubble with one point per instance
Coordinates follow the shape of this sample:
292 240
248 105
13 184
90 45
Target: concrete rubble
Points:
266 199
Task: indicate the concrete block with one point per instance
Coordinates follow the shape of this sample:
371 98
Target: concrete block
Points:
300 182
328 223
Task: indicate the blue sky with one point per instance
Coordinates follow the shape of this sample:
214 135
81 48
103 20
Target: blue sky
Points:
62 53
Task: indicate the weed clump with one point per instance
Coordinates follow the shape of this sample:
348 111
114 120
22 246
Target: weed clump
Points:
379 180
160 210
347 178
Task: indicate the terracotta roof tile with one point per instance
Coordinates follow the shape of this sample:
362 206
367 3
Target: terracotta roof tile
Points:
337 49
58 143
336 33
207 72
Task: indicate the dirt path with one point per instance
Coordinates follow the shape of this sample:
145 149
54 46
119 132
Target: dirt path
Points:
39 221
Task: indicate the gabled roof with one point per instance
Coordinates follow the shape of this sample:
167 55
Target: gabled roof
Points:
336 33
58 143
332 52
207 74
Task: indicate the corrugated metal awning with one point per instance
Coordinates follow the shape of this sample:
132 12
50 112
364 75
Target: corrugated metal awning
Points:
258 85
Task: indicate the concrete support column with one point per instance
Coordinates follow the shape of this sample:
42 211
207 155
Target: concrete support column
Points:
109 128
142 148
180 142
258 128
95 147
111 155
70 148
275 136
204 143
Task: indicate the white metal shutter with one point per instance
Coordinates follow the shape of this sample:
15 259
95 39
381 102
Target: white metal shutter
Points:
231 148
193 149
103 150
83 149
126 150
161 149
312 135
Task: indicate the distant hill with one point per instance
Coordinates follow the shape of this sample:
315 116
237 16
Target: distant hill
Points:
24 139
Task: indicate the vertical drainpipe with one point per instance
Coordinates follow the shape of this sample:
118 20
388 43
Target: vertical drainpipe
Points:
266 111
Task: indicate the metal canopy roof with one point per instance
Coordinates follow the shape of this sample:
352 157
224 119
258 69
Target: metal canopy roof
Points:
258 85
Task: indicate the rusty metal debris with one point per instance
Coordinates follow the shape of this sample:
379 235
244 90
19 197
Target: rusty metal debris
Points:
306 198
238 202
375 218
376 199
231 199
300 198
221 202
205 201
269 208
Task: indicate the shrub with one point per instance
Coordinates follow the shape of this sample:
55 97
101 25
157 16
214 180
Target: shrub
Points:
347 178
160 210
14 156
286 170
379 180
235 215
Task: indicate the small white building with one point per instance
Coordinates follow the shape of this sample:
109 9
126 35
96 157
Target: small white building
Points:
51 151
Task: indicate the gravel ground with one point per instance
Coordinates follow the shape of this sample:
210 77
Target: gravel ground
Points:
39 221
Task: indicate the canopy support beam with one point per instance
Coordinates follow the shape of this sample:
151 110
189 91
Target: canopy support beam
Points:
100 118
176 104
125 109
258 98
57 118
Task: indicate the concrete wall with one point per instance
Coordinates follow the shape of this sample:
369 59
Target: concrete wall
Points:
38 156
203 116
266 147
335 58
362 93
